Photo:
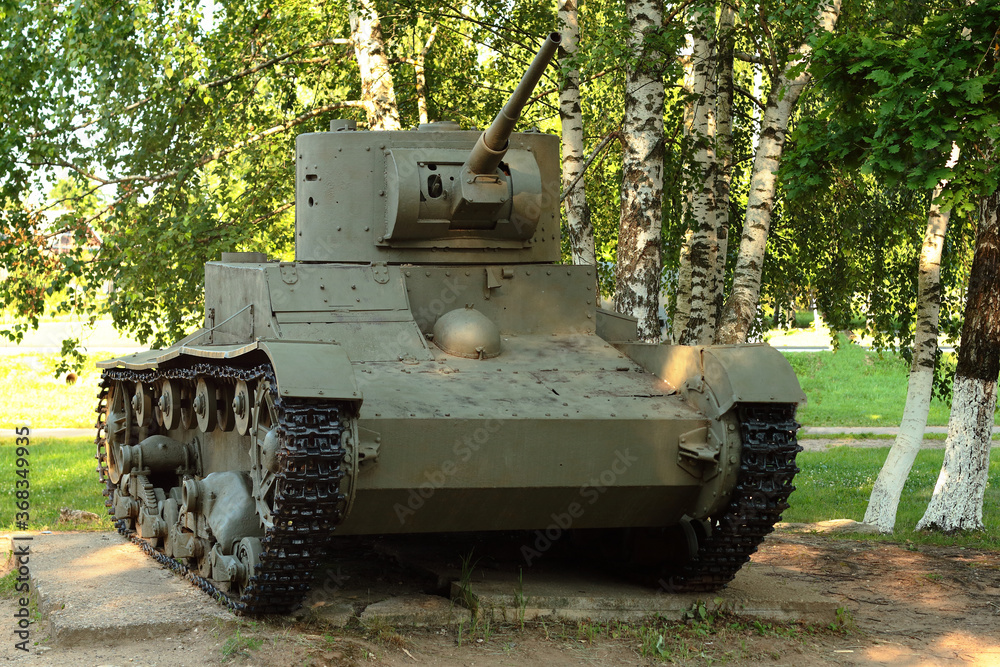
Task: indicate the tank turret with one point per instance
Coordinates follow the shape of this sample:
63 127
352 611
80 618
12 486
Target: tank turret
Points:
438 194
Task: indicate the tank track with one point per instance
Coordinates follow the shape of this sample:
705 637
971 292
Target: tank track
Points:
763 485
307 508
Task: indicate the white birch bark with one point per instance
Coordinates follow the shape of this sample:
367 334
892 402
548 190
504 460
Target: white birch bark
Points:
637 270
701 172
957 502
741 308
682 294
724 158
884 501
578 225
682 307
377 91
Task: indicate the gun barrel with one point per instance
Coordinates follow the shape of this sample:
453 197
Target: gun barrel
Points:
492 144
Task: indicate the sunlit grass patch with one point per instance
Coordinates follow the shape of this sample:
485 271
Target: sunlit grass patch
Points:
61 473
31 393
856 387
837 484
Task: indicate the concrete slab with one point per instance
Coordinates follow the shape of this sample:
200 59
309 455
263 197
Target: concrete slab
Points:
419 611
100 586
335 614
757 592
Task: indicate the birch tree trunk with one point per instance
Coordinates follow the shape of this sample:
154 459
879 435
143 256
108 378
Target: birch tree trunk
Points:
377 91
724 158
682 308
682 304
637 270
884 500
420 74
957 503
701 174
741 308
578 226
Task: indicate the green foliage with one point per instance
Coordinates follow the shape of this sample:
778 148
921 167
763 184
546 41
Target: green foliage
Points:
897 86
240 644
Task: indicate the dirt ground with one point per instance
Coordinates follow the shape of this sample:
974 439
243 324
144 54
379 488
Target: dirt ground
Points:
903 607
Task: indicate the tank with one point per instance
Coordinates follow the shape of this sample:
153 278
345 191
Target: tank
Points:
427 365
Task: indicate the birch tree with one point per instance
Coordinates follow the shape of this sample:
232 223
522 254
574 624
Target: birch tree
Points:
377 91
702 277
578 226
957 502
741 306
701 175
638 266
882 505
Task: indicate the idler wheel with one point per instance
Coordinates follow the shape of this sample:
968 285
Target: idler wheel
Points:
205 405
241 404
169 405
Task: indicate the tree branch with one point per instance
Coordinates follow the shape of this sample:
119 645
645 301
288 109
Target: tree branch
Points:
614 134
748 57
746 93
273 61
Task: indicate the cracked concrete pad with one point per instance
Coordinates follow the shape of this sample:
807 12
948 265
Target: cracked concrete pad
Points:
418 610
757 592
100 586
336 614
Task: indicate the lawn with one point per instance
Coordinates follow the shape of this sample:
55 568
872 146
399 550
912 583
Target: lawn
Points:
837 483
856 387
61 473
32 394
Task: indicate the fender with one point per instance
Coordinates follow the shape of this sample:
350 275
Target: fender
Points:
303 369
716 377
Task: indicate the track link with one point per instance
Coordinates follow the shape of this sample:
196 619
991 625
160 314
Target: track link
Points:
767 466
308 503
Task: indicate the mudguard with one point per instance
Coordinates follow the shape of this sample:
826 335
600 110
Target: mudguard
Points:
716 377
303 369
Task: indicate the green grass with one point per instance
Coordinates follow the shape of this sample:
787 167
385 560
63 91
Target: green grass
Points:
871 436
836 484
240 644
61 473
31 394
856 387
